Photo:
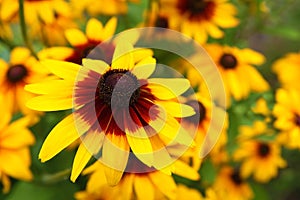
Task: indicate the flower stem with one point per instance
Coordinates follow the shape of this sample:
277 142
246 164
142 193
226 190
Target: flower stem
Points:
48 179
23 28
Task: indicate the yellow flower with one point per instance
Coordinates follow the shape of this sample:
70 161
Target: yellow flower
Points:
83 43
21 70
287 113
287 70
230 185
151 184
53 33
235 65
200 18
35 11
206 130
260 158
115 105
15 139
156 18
104 7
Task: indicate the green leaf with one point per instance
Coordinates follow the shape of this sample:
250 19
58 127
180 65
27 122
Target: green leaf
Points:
30 191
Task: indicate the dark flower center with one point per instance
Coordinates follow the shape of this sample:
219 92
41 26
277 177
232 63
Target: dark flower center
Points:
228 61
197 9
16 73
236 178
263 149
162 22
119 88
200 112
297 119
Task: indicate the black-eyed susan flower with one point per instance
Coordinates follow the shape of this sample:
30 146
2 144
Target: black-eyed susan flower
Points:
212 141
115 105
22 69
229 184
94 8
53 33
200 18
83 43
236 67
287 70
15 139
287 114
35 11
155 18
151 184
260 158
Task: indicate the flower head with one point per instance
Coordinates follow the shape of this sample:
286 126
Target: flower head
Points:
259 157
152 184
83 43
200 18
35 11
118 110
287 70
230 184
236 68
287 113
22 69
15 139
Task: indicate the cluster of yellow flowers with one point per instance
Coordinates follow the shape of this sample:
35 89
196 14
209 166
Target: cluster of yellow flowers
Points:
136 133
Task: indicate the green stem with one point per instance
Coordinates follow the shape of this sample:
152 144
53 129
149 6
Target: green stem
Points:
23 28
48 179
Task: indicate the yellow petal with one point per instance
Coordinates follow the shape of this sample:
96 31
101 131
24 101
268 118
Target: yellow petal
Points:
61 136
16 163
144 68
8 9
17 138
75 37
122 58
115 155
82 157
62 69
19 55
168 126
143 188
177 109
252 57
139 54
51 87
140 145
257 82
50 103
46 14
234 85
164 183
56 53
162 159
130 36
168 88
214 31
110 28
95 65
184 170
94 30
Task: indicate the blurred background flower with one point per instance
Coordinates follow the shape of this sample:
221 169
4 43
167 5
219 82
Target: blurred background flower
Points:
253 44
